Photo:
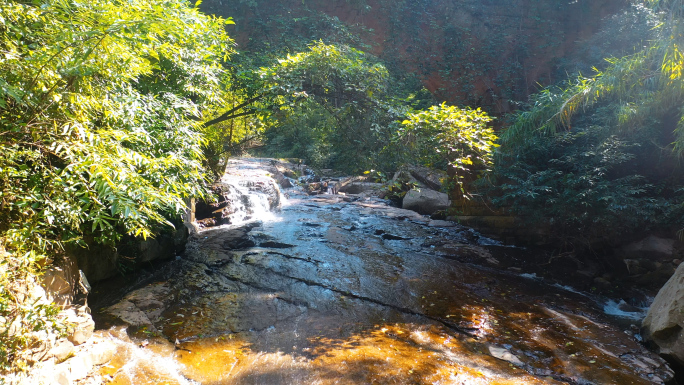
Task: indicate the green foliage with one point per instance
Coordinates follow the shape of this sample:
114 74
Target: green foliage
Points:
232 136
444 136
598 158
333 73
397 189
334 108
100 109
638 86
331 107
478 53
24 319
586 185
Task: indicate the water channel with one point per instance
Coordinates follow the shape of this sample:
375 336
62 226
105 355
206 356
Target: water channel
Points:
333 289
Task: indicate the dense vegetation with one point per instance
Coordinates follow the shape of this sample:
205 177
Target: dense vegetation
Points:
333 106
488 54
591 160
598 158
100 111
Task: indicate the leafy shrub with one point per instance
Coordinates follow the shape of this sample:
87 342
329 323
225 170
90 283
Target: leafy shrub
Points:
447 136
332 107
24 319
582 185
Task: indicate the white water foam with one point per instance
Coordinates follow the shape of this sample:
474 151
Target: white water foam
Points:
250 205
614 308
143 360
531 276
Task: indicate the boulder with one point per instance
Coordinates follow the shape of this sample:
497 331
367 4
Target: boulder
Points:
219 209
62 350
281 178
357 185
128 313
649 262
79 367
405 176
428 176
142 307
651 247
60 281
102 352
81 325
664 322
426 201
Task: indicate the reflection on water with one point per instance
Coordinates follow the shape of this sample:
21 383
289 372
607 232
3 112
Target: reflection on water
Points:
385 354
340 292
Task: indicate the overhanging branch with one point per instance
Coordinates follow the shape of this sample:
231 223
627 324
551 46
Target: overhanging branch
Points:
230 114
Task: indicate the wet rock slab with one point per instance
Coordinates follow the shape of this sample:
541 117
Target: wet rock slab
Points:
366 293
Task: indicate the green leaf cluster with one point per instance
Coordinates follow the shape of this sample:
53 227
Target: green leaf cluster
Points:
447 136
331 105
100 110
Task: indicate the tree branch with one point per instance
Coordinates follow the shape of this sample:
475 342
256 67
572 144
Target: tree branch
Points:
229 114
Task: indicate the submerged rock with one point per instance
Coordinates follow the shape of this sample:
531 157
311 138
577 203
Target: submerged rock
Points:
504 355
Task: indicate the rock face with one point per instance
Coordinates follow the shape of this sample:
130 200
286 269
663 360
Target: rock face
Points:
141 307
60 281
432 178
664 323
72 365
100 262
426 201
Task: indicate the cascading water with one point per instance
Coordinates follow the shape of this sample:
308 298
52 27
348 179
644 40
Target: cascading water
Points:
250 202
141 363
246 194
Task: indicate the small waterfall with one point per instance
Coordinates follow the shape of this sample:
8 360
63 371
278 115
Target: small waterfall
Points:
246 194
252 200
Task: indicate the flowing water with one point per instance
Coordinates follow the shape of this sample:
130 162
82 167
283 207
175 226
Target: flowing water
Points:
335 290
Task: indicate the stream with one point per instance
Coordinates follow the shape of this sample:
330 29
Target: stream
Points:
335 289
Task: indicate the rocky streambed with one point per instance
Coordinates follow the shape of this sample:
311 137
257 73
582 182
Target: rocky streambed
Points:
339 289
